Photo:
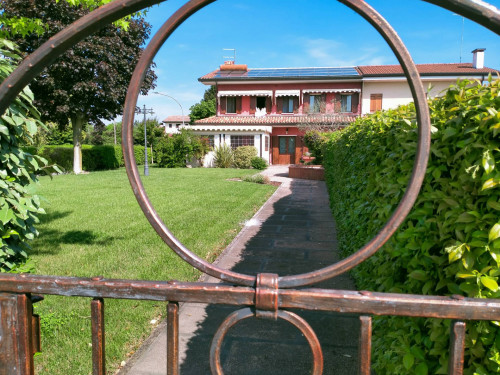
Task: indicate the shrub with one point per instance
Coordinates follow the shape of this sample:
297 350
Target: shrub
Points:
223 156
243 156
449 243
19 206
173 151
258 163
314 141
257 179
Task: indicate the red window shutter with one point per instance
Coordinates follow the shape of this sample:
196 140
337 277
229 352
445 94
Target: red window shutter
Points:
253 104
279 104
337 106
223 102
295 104
354 103
269 104
238 105
306 103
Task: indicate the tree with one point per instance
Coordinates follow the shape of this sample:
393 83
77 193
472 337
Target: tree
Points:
89 82
206 107
154 132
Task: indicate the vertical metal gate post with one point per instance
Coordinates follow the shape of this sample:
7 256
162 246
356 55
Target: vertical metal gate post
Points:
16 335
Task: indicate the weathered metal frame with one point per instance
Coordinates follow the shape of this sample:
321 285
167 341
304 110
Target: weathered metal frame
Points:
264 295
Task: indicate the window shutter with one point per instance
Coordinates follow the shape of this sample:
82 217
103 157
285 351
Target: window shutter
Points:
306 103
253 104
269 105
295 104
279 104
223 102
323 103
354 103
375 102
238 105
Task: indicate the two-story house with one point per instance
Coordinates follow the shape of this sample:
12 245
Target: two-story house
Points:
271 108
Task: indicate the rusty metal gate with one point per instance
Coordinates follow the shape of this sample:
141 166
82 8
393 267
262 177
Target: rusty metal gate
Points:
266 296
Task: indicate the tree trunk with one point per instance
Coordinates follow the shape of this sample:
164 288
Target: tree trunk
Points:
77 122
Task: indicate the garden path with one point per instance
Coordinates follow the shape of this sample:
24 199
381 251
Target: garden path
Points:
294 232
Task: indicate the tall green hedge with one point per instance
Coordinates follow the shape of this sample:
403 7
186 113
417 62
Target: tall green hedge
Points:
450 242
94 158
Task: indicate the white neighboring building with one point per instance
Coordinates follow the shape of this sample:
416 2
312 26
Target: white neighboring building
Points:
172 124
385 86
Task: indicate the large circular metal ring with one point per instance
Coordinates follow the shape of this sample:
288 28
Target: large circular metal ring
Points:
480 12
420 165
246 313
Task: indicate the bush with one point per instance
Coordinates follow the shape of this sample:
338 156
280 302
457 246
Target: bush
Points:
315 141
19 205
449 243
258 163
243 156
174 151
223 156
257 179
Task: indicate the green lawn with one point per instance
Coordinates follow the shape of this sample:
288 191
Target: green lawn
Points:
94 227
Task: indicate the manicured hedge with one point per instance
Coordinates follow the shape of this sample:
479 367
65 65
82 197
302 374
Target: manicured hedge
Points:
450 242
94 158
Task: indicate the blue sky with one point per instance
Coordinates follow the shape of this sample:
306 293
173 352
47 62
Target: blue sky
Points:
301 33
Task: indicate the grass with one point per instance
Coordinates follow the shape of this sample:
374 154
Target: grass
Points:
94 227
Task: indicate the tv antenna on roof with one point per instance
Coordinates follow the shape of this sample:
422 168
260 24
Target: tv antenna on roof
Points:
232 59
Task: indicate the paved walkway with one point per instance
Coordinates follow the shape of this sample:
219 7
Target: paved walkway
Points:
294 232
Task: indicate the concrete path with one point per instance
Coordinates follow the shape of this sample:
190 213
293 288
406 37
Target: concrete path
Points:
293 233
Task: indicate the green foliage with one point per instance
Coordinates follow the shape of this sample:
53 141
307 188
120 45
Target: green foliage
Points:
449 244
256 179
206 107
223 156
315 141
95 158
175 150
258 163
243 156
19 203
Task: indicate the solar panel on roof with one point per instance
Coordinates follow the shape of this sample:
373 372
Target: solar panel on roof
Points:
289 72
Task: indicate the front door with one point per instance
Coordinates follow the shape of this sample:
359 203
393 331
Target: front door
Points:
284 149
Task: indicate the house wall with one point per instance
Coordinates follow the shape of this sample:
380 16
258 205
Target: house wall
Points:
225 137
396 93
245 103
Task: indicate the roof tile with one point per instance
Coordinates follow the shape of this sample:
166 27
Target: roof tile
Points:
277 120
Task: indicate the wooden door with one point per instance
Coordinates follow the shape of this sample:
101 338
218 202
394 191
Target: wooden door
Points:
284 150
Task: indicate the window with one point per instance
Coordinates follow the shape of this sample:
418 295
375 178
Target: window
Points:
266 143
170 126
261 102
345 103
375 102
288 104
231 104
316 103
242 140
210 140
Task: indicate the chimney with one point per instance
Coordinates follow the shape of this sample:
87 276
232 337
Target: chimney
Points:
478 58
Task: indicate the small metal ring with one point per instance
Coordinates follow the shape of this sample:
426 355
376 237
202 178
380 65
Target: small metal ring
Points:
246 313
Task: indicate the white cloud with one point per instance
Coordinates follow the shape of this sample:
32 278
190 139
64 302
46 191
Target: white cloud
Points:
328 52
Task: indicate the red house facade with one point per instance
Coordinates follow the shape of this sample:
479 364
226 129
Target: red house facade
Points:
271 108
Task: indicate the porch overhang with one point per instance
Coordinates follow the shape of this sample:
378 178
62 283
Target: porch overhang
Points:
245 93
231 128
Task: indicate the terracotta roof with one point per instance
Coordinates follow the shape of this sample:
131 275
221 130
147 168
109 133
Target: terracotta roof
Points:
177 119
277 120
210 75
424 69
